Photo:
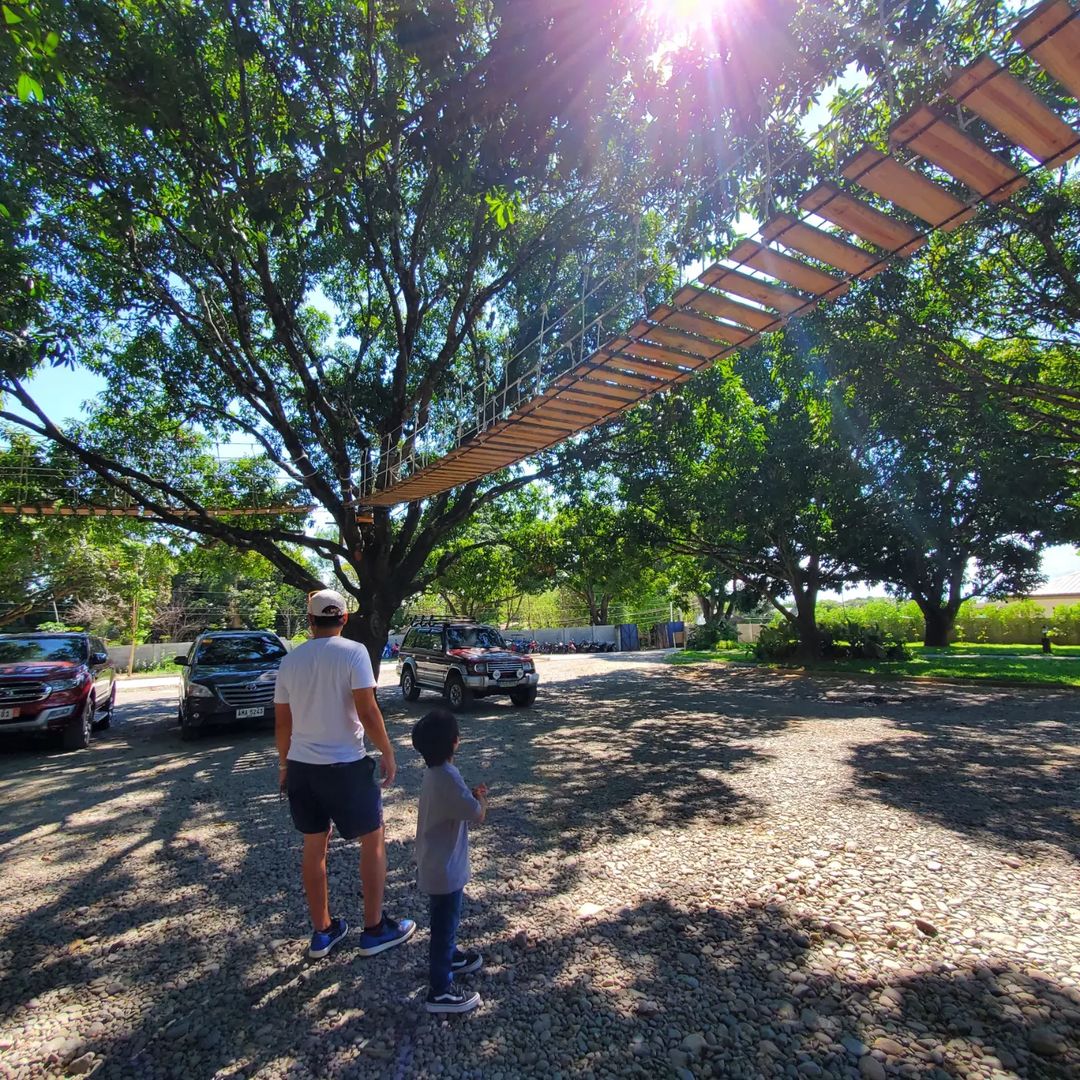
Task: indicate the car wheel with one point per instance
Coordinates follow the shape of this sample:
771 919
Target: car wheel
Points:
76 735
409 689
524 697
458 695
188 732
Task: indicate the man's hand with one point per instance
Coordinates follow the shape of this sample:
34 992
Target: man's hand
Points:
388 768
282 778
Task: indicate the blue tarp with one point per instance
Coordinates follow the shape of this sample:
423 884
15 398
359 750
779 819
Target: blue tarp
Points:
626 639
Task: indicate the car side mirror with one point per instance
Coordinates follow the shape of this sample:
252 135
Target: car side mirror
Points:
181 660
99 658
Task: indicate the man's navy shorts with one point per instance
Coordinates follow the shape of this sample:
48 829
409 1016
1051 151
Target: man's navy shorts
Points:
347 794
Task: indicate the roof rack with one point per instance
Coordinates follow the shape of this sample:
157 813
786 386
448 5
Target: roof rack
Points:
443 620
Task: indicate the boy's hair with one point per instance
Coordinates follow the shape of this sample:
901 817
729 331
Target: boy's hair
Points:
321 622
434 736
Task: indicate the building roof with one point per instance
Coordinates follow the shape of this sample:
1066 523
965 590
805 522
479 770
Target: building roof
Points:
1065 585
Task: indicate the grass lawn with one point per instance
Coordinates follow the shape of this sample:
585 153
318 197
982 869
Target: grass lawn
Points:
1000 663
996 650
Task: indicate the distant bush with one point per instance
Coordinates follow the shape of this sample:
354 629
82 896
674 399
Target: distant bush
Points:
1017 622
776 642
857 642
901 619
711 634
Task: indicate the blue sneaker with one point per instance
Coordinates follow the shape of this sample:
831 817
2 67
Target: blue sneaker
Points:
322 941
390 933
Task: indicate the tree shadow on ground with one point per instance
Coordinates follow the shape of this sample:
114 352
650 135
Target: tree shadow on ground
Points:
650 758
1002 776
735 992
609 760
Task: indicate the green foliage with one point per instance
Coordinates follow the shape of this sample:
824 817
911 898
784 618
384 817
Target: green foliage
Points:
852 641
711 634
777 643
901 619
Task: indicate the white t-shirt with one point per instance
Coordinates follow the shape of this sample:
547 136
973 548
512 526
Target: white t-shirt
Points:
316 681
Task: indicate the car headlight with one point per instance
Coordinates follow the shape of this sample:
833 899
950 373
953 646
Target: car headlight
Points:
267 677
528 665
196 689
67 684
480 669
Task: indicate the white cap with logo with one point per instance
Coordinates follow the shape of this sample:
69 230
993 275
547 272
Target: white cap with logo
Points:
326 602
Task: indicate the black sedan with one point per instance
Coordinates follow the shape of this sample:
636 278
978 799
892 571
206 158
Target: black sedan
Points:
229 677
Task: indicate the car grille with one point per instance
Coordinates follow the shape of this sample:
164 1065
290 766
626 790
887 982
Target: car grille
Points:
14 693
506 665
247 695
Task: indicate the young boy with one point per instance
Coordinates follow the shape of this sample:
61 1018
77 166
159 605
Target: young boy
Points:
442 856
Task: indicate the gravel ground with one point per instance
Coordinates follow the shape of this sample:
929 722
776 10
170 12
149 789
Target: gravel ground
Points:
703 871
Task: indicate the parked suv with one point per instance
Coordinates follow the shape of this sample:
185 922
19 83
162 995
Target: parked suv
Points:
229 675
55 684
463 660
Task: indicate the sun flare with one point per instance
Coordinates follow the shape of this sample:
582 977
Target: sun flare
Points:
681 22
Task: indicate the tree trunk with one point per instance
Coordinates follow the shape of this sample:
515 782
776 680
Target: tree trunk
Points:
809 647
705 603
939 623
804 588
602 615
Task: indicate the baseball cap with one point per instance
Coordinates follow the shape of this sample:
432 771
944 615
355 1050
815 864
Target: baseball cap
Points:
326 602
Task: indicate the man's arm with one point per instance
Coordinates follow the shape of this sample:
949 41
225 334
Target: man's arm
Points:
367 708
282 737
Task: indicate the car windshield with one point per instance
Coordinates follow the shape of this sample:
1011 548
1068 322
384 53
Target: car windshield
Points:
57 649
239 650
474 637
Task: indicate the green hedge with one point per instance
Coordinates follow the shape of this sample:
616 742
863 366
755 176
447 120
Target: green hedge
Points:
1013 622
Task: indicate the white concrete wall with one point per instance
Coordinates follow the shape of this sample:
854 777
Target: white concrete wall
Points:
147 656
152 656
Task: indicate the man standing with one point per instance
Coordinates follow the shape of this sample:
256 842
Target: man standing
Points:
324 705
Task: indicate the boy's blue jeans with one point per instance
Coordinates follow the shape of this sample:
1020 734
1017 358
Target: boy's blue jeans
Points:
445 915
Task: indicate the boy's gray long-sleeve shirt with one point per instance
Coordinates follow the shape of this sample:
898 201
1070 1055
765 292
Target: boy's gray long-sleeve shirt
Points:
442 830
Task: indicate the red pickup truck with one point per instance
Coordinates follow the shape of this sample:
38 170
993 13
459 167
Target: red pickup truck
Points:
61 685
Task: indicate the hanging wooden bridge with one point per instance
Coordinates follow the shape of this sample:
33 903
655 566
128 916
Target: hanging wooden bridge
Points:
887 207
797 263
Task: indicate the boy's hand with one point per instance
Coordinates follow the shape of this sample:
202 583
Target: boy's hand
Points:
480 792
388 768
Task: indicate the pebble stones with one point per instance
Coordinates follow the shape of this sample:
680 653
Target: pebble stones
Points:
759 913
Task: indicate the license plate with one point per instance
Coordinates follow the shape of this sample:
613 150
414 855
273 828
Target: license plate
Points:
244 714
8 714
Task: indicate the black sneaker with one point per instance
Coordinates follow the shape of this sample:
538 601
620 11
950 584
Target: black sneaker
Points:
465 963
452 1001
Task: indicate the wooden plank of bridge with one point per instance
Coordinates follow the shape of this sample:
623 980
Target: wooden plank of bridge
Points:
1051 33
829 202
791 271
823 246
929 134
719 306
989 91
751 288
692 323
906 188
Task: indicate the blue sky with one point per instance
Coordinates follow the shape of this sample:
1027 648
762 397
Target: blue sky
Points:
62 392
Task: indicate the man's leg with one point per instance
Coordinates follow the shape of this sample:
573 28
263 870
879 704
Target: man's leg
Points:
313 872
373 876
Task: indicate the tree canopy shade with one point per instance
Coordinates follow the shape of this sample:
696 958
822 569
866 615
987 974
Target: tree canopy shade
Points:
310 226
832 454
